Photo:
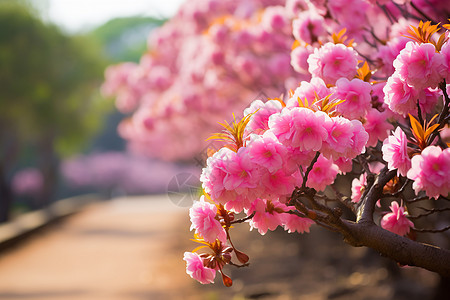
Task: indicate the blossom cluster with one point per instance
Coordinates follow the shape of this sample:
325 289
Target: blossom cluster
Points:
206 62
381 95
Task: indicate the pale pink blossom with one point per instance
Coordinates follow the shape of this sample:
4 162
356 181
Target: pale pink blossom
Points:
268 215
214 175
399 96
428 100
299 58
293 223
300 127
278 184
296 158
356 94
339 141
395 152
376 126
196 269
359 140
309 90
396 221
241 172
430 172
333 61
345 164
274 18
261 112
350 14
266 151
322 174
386 55
358 186
203 219
308 27
445 52
419 65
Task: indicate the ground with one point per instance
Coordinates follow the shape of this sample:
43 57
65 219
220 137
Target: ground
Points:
132 248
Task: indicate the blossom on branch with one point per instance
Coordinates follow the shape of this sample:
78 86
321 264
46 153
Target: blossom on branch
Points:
396 221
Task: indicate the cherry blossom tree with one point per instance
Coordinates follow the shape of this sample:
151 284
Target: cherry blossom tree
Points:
373 106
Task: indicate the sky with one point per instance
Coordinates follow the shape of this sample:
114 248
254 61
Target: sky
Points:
79 15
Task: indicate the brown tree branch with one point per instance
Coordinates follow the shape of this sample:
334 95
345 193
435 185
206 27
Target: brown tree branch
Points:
367 208
401 249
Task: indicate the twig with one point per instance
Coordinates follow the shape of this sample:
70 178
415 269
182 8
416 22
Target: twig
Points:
429 212
417 199
243 219
432 230
310 167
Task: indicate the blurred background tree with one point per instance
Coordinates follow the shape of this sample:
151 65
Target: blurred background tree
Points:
49 96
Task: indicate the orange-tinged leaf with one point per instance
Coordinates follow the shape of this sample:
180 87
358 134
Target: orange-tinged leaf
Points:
295 44
423 32
233 133
364 73
300 102
279 100
198 248
441 41
417 129
430 130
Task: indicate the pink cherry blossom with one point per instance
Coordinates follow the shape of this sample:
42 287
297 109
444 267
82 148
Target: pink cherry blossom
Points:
196 269
350 14
203 219
299 58
274 18
356 94
293 223
309 90
241 172
266 151
388 53
358 186
333 61
428 100
445 52
308 27
300 127
322 174
345 164
396 221
261 112
278 184
214 174
395 152
268 215
339 141
376 126
430 172
399 96
359 140
419 65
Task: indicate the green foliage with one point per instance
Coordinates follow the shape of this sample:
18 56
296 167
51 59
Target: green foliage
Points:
49 81
125 39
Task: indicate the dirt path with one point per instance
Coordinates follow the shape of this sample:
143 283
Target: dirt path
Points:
123 249
132 249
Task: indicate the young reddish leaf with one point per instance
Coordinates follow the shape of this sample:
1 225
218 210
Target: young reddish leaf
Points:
226 280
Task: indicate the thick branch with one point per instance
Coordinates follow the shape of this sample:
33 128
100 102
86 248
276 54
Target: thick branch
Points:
401 249
367 208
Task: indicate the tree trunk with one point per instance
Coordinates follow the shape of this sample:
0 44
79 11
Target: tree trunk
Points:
6 197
